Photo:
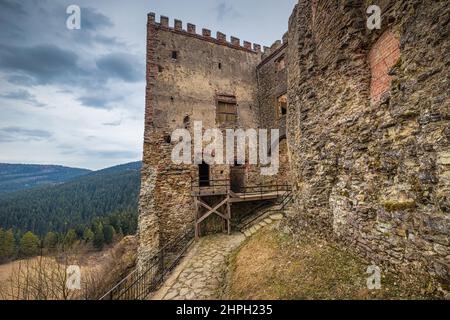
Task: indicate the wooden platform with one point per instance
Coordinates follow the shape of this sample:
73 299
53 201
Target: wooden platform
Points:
243 197
225 197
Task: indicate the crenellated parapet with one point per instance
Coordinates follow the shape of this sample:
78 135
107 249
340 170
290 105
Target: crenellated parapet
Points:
206 35
275 47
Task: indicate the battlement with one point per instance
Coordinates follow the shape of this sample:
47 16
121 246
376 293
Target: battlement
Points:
191 31
275 47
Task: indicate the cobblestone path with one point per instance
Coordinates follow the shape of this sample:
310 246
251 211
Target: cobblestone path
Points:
199 277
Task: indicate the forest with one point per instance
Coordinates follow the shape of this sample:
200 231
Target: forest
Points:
94 209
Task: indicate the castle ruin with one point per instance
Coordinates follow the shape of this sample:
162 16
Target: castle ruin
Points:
364 117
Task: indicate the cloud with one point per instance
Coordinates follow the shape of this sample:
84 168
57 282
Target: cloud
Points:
99 101
115 154
100 66
43 64
121 66
113 123
48 64
226 12
13 134
11 7
92 20
22 95
92 24
103 154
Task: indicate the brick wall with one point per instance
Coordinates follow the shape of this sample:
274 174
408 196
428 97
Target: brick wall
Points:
382 57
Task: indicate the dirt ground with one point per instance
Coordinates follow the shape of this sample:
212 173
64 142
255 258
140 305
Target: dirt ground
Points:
272 265
97 267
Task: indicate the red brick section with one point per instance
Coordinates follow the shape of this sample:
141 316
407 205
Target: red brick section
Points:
382 57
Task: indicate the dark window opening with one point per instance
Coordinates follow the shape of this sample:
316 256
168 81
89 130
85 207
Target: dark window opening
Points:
168 139
220 66
282 105
160 69
186 122
174 55
171 99
203 175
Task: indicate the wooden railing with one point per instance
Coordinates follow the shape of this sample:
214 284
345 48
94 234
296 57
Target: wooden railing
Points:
223 187
210 187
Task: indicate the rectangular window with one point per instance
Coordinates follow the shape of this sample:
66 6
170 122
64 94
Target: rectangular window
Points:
226 112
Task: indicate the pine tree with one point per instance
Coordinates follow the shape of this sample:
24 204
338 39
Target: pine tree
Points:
2 244
109 233
88 235
99 238
7 244
70 238
29 244
51 240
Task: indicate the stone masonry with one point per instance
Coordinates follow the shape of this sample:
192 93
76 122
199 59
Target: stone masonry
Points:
188 76
364 116
368 128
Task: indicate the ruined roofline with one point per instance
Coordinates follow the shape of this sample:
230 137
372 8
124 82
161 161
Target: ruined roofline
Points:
220 39
267 58
273 50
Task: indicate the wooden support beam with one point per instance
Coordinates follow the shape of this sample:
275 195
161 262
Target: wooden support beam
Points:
197 212
229 216
212 210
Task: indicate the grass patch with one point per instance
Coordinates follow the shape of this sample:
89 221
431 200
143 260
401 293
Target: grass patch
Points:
272 265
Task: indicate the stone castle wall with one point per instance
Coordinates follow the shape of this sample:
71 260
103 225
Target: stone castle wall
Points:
368 124
186 72
368 128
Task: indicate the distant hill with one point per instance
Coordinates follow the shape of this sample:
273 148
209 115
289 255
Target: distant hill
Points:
16 177
132 166
74 203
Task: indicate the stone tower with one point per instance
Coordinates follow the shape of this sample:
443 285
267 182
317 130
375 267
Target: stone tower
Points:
197 77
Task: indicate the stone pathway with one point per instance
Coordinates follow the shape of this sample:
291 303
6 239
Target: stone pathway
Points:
203 270
264 221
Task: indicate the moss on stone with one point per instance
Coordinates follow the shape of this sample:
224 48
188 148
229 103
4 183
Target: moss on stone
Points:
398 205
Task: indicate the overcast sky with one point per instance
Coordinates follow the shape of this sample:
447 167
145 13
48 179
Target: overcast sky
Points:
76 97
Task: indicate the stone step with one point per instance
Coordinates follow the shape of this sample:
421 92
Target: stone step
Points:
268 220
262 223
276 216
